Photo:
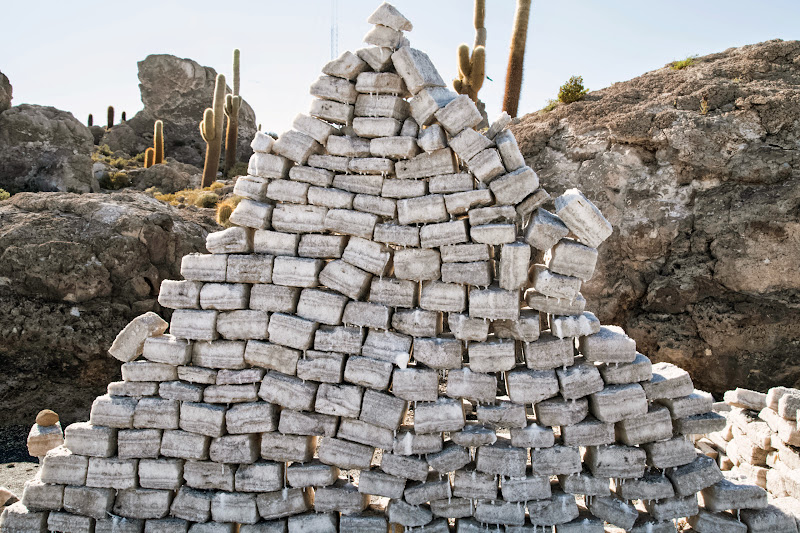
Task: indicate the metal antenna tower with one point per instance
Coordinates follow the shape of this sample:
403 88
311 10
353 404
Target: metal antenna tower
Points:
334 29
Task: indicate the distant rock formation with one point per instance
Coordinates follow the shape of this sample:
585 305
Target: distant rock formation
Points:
702 268
5 92
44 149
74 269
176 91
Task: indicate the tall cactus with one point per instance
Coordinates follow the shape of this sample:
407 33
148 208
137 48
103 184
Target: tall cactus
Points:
90 121
158 142
110 116
149 156
211 130
472 68
516 58
232 104
122 118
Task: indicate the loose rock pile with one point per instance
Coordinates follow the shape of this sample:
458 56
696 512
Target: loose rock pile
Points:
370 345
760 443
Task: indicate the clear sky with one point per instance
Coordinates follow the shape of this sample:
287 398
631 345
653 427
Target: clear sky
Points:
81 55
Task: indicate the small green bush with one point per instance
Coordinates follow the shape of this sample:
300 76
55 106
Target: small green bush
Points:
572 91
4 195
115 181
683 63
104 149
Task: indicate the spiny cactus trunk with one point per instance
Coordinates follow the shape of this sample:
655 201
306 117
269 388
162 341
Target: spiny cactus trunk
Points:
90 121
122 117
149 156
110 116
516 58
232 104
231 139
211 130
158 142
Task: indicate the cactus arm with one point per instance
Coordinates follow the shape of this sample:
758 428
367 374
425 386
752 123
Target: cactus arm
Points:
207 125
236 72
464 66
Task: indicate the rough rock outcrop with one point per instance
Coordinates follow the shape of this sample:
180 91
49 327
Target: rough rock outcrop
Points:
74 269
44 149
123 138
177 91
169 177
702 269
5 92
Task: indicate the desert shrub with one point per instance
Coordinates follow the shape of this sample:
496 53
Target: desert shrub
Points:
139 158
115 181
104 149
4 195
683 63
572 91
206 197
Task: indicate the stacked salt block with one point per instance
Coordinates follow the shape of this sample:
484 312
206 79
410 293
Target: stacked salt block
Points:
760 443
391 335
45 434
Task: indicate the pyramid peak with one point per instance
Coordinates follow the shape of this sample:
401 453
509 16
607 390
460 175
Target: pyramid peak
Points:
388 15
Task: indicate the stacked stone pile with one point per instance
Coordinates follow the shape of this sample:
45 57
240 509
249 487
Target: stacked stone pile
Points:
761 443
392 335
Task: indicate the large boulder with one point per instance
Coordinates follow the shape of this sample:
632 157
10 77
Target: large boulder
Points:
171 176
177 91
699 172
5 92
44 149
123 138
74 269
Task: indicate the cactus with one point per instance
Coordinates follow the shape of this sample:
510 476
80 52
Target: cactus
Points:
516 58
110 116
149 157
122 118
90 121
211 130
232 104
158 142
472 68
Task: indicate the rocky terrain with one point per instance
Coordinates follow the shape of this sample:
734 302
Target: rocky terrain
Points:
702 268
74 269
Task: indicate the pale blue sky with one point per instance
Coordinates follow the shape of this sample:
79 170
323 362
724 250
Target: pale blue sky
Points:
81 55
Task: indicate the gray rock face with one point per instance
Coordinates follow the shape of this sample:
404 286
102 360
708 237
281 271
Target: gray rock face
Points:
44 149
177 91
74 269
123 138
702 267
5 92
168 177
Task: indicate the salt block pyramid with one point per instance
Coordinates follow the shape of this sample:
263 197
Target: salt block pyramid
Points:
391 336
